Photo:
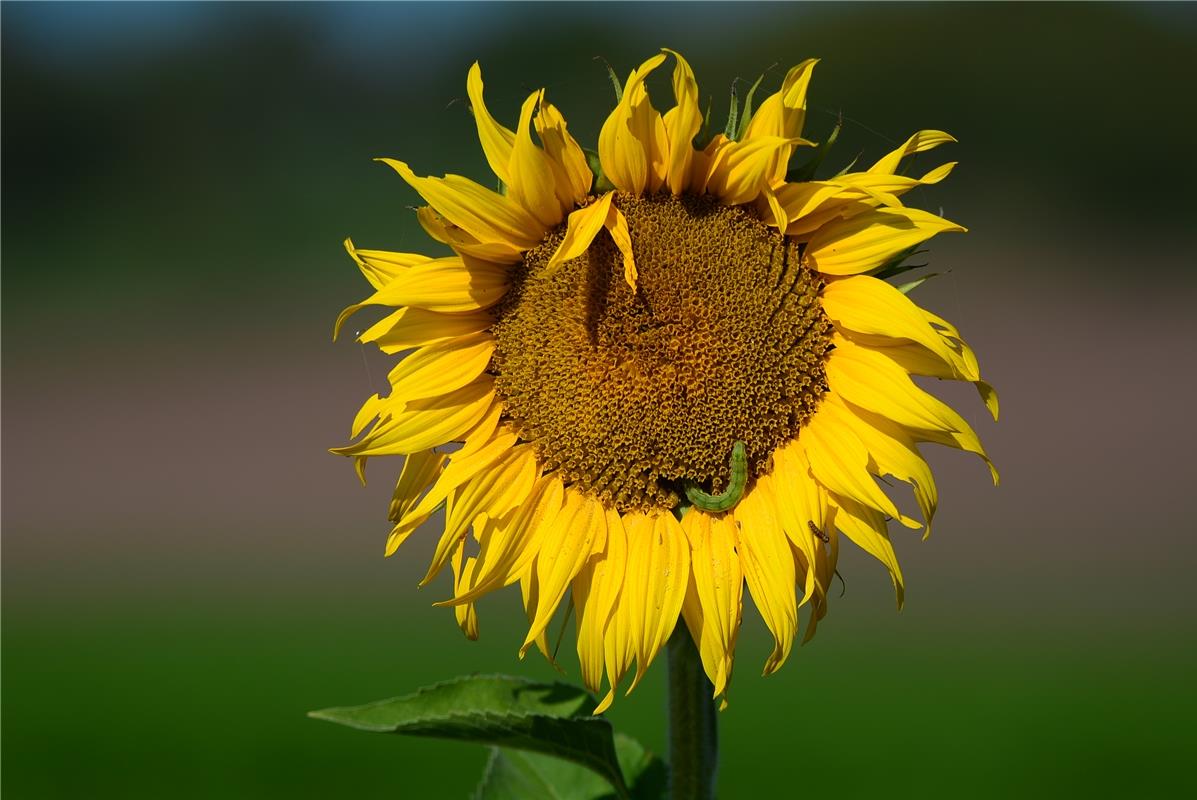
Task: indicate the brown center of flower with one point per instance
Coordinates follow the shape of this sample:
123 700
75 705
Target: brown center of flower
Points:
629 394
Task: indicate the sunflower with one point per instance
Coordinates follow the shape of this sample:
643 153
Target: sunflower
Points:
649 377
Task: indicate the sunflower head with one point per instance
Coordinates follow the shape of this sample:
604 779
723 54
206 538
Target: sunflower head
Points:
651 396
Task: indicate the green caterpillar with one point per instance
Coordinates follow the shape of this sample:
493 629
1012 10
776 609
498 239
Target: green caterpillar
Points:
726 501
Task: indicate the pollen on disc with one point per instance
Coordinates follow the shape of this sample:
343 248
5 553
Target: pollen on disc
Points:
627 394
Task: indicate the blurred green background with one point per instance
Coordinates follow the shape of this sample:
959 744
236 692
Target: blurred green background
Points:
186 572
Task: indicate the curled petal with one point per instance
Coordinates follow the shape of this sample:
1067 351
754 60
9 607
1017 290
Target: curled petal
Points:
741 171
493 492
865 526
573 172
414 327
865 305
633 143
584 224
870 239
918 143
533 183
497 141
840 462
380 267
428 423
483 214
681 125
444 284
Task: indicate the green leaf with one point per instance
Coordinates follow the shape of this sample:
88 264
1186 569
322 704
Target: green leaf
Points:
848 167
737 123
614 78
643 770
907 288
515 775
806 172
746 117
601 182
549 718
733 114
895 266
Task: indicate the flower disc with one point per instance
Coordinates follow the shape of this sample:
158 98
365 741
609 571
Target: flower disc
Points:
629 392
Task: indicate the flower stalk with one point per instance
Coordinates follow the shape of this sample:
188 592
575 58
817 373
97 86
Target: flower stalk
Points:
693 731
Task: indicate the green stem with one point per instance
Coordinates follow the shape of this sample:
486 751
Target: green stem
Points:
693 732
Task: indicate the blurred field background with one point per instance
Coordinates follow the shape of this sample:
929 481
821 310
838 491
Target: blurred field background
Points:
186 571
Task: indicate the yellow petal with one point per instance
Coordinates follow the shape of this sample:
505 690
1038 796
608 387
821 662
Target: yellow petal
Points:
539 525
844 205
801 199
783 113
514 540
575 177
868 379
955 430
467 617
579 530
533 184
658 570
488 216
427 423
367 414
497 141
954 360
530 591
811 204
584 224
483 432
464 243
801 502
705 161
740 171
681 125
868 240
895 185
595 590
719 586
866 528
895 453
864 304
618 647
768 565
463 466
918 143
778 214
419 470
963 439
414 327
438 369
617 226
494 491
445 284
633 143
840 462
381 266
824 568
